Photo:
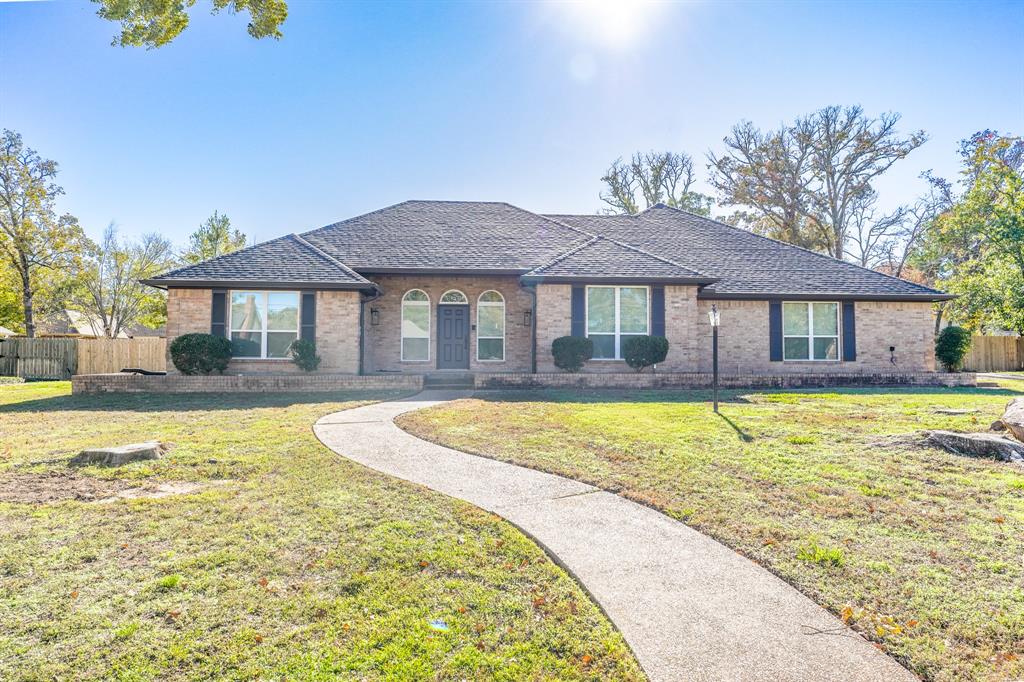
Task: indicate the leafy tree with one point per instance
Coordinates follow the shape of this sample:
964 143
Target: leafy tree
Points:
652 178
111 292
809 182
213 238
12 314
975 248
951 346
32 237
154 23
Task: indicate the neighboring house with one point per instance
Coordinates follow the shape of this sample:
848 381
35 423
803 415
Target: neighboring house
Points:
446 285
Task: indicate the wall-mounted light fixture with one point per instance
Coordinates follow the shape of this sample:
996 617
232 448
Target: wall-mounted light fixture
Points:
527 318
374 316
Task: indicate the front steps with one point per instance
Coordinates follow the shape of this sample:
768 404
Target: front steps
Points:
448 381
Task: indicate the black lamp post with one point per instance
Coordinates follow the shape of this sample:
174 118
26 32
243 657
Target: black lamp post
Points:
715 318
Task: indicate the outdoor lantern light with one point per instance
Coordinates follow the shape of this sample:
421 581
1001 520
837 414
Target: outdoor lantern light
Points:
527 317
374 316
714 317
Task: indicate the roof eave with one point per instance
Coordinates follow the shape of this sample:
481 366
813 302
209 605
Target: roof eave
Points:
257 284
827 296
369 271
613 279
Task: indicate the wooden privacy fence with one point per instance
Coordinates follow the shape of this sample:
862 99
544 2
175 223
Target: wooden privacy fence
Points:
39 358
995 354
49 358
103 356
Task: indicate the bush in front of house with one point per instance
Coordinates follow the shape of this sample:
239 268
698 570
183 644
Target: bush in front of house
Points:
303 352
570 352
951 346
644 351
200 353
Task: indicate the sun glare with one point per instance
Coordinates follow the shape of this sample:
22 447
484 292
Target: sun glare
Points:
609 23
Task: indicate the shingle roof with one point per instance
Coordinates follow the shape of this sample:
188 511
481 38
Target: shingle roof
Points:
424 235
602 258
286 260
472 236
745 264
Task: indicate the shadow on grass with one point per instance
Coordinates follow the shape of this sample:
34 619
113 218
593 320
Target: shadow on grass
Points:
744 436
186 402
583 395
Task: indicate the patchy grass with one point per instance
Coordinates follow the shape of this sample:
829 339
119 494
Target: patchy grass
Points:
919 549
291 564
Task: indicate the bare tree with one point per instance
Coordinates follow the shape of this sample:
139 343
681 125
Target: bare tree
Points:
873 238
32 237
653 178
808 181
112 294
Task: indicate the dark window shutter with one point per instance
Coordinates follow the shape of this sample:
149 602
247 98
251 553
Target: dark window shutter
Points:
578 313
219 313
849 333
775 330
308 327
657 311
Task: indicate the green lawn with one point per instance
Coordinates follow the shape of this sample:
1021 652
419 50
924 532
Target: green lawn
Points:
289 563
919 549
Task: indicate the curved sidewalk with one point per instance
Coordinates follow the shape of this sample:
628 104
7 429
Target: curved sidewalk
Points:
690 608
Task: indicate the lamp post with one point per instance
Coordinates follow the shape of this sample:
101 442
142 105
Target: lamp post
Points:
715 318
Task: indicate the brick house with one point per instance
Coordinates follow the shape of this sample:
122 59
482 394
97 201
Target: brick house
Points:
427 286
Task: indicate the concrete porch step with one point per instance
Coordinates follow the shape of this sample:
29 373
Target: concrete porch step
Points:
448 380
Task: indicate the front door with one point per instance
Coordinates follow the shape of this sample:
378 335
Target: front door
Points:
453 337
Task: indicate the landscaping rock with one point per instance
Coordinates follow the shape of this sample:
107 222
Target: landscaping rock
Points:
997 425
1013 418
117 456
979 445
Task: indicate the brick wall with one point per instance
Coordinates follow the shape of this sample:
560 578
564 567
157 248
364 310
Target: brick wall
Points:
337 330
383 341
743 339
554 319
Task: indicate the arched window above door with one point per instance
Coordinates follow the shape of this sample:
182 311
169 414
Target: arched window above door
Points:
454 296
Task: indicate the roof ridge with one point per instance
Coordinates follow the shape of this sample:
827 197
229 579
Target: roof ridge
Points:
627 245
565 254
331 259
719 223
356 217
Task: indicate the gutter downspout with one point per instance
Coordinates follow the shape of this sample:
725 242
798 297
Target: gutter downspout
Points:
362 326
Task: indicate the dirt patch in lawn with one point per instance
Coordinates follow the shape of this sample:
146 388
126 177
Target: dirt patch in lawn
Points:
60 486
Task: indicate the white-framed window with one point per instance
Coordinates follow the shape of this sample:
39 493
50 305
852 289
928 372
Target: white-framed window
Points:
615 314
263 324
490 327
454 296
415 326
810 330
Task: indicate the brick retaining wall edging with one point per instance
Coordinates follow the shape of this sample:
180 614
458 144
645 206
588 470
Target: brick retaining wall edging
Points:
704 380
86 384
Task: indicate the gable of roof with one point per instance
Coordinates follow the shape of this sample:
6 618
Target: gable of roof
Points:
285 261
601 259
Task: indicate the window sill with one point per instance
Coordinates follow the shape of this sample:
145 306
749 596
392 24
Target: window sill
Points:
261 359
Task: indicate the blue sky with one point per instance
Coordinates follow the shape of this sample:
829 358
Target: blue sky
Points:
362 105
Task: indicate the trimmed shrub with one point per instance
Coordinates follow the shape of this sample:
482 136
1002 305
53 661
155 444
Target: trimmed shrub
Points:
951 346
644 351
571 352
200 353
303 352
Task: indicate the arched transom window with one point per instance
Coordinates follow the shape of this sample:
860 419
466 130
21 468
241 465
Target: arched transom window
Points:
490 327
454 296
415 326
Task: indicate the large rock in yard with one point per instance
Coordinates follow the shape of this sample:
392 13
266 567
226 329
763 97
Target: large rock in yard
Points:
979 445
1013 418
117 456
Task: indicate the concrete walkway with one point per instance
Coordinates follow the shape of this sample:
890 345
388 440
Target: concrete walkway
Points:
690 608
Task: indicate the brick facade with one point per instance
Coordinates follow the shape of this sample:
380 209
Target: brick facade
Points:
84 384
382 351
337 330
698 380
743 336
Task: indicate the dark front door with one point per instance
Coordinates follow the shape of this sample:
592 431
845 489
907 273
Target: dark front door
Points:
453 337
